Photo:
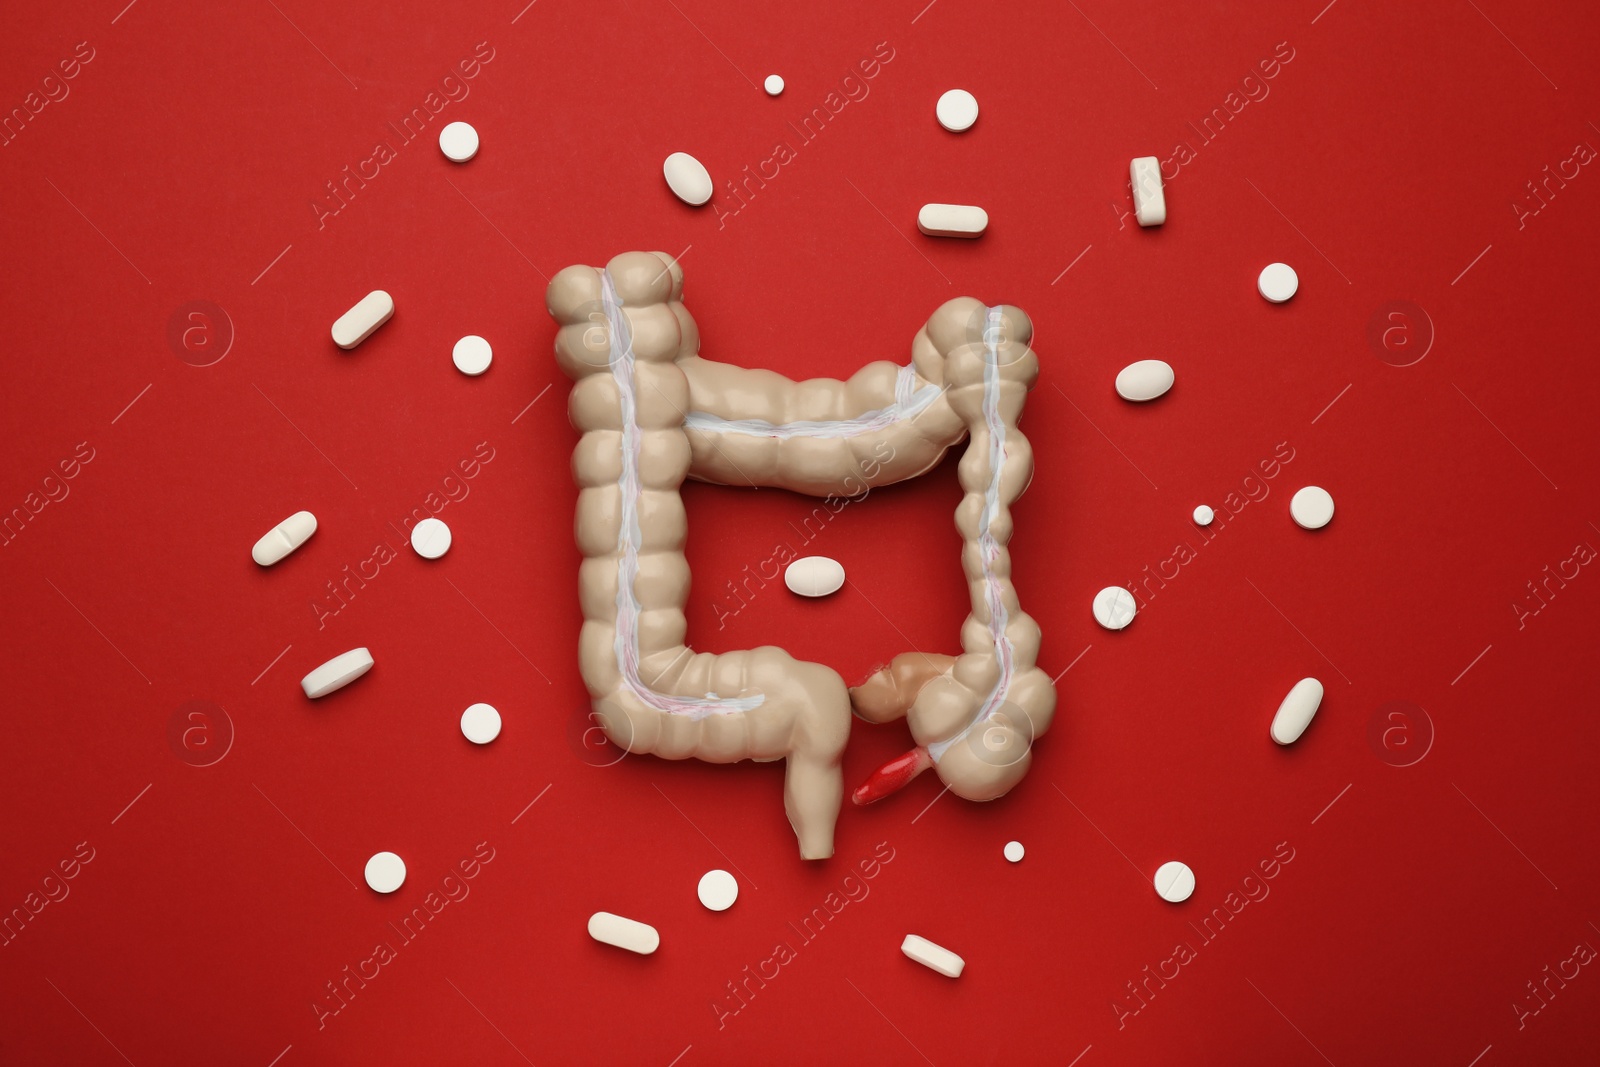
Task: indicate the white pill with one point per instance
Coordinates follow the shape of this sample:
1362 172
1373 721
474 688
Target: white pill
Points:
1114 607
814 576
386 872
357 324
472 355
1015 851
1174 881
952 220
430 538
284 538
634 936
937 957
459 141
1144 380
337 673
957 110
1312 507
1278 282
1295 713
688 178
718 890
1149 201
773 85
1203 515
480 723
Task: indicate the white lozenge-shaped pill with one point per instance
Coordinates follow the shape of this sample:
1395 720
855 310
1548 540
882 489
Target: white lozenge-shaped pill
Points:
1144 380
1296 711
337 673
688 178
357 324
284 538
1149 200
933 956
952 220
814 576
615 930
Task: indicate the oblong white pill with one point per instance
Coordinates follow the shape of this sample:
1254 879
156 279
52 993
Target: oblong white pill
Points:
1144 380
688 178
357 324
480 723
1295 713
1203 515
1149 200
459 141
1114 607
472 355
1014 851
718 890
1277 282
773 85
956 110
615 930
952 220
430 538
284 538
937 957
385 872
814 576
337 673
1312 507
1174 881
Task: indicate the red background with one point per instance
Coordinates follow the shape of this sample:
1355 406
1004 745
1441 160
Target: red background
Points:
1382 164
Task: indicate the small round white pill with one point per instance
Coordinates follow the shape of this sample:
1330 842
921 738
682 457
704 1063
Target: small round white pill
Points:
1174 881
1312 507
458 141
1014 851
773 85
472 355
386 872
1114 607
957 110
718 890
1278 282
1203 515
480 723
430 538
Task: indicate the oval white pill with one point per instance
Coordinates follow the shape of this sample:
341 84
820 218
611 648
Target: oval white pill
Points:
615 930
688 178
1144 380
1014 851
472 355
957 110
284 538
934 956
1114 607
386 872
1203 515
480 723
337 673
1312 507
1174 881
357 324
952 220
814 576
459 141
1295 713
718 890
773 85
430 538
1278 282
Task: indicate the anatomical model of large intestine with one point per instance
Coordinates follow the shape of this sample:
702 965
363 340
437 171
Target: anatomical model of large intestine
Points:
652 413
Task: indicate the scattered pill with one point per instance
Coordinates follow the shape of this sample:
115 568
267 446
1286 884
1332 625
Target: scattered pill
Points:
472 355
957 110
1312 507
814 576
1114 607
337 673
284 538
718 890
1015 851
1203 515
1149 200
1278 282
357 324
1174 881
952 220
1144 380
634 936
459 141
773 85
430 538
688 178
1295 713
937 957
480 723
386 872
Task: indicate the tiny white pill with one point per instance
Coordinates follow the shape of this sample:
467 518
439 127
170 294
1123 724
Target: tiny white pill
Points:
1295 713
1149 200
634 936
357 324
284 538
459 141
937 957
814 576
430 538
1114 607
472 355
1278 282
718 890
480 723
1014 851
1203 515
952 220
773 85
1174 881
1144 380
337 673
1312 507
957 110
386 872
688 178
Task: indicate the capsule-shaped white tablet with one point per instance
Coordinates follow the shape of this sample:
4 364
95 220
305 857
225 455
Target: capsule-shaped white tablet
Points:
1149 200
630 934
337 673
952 220
937 957
814 576
284 538
688 178
1295 713
1144 380
357 324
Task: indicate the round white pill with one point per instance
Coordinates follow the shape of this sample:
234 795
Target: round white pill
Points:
773 85
718 890
957 110
472 355
1203 515
1174 881
1312 507
480 723
1014 851
430 538
458 141
1278 282
386 872
1114 607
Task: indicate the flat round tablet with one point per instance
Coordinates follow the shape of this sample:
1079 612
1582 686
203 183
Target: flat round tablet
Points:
718 890
480 723
1114 607
1014 851
1174 881
458 141
430 538
773 85
957 110
1203 515
386 872
1312 507
1278 282
472 355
